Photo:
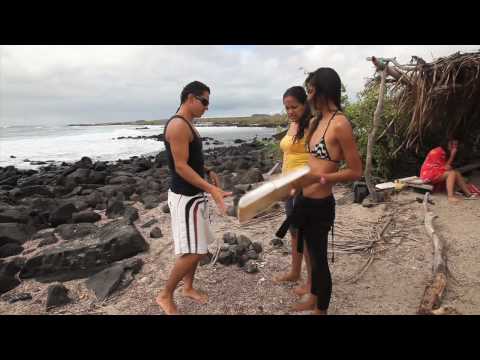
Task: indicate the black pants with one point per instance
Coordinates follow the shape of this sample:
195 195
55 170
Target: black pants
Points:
314 219
289 211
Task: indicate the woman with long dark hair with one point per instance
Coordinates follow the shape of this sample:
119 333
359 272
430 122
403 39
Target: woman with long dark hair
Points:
329 140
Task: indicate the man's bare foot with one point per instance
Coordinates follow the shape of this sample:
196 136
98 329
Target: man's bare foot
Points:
167 304
304 306
319 312
302 290
286 278
453 199
197 296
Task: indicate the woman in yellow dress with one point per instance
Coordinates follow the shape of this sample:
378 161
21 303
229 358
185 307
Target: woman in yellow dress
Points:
295 154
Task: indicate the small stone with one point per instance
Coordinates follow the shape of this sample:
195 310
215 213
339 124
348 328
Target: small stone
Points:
131 214
251 267
277 242
86 216
257 247
135 197
242 260
225 257
244 241
230 238
252 254
156 233
166 209
57 296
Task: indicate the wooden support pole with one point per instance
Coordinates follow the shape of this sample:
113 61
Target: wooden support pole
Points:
372 136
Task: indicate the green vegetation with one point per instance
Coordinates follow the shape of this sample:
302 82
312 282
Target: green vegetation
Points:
360 114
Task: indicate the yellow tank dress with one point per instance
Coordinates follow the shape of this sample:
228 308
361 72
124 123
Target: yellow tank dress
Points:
294 155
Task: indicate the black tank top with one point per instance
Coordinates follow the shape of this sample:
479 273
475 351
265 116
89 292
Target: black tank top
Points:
195 160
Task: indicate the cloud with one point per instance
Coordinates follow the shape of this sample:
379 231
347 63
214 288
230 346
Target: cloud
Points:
93 83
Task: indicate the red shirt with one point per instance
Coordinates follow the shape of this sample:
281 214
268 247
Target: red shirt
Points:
434 165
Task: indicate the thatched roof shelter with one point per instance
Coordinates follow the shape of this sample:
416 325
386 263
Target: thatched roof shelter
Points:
441 98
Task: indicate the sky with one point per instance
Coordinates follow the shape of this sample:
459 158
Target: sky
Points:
64 84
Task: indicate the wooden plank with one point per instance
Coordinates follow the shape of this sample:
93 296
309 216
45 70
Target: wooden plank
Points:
411 181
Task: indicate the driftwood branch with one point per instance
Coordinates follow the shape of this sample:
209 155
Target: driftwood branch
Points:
433 293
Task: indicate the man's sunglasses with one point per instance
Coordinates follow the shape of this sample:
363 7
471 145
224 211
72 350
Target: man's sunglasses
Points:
204 101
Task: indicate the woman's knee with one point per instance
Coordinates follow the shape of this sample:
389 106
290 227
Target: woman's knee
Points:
451 174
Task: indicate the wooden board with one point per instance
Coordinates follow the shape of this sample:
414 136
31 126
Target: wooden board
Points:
261 198
411 180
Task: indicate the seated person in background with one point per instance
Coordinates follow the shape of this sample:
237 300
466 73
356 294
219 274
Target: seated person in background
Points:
437 170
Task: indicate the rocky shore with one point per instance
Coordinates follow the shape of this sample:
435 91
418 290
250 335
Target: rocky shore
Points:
77 221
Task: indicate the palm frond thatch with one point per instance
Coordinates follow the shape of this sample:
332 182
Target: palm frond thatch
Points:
441 96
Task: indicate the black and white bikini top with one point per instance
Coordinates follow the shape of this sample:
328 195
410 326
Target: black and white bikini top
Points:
320 150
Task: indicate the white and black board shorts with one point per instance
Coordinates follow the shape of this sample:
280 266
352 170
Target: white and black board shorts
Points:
190 226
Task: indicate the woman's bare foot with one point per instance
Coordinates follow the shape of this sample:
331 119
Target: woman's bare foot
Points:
302 290
286 278
306 305
167 304
453 199
197 296
319 312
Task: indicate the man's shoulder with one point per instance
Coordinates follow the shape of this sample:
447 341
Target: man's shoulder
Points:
177 123
177 127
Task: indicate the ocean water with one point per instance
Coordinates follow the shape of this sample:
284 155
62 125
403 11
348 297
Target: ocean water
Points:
70 143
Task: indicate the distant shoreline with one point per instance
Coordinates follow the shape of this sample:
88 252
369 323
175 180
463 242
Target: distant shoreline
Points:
246 121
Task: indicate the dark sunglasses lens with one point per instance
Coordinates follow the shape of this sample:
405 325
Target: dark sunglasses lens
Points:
204 102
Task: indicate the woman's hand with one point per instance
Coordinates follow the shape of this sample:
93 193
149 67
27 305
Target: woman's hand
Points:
320 177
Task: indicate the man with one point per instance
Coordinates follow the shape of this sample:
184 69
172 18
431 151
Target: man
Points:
186 196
